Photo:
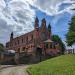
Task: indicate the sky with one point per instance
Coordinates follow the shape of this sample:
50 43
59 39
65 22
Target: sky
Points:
19 16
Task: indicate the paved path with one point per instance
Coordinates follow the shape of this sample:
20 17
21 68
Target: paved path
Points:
18 70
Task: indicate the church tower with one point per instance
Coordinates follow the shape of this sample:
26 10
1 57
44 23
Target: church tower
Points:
11 36
36 26
49 31
43 23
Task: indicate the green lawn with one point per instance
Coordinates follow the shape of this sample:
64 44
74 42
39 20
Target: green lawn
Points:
62 65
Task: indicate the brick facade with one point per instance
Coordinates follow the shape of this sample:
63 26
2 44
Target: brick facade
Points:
30 41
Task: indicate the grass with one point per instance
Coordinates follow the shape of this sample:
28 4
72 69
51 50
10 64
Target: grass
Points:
62 65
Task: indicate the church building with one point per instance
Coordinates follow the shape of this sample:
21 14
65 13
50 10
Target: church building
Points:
29 43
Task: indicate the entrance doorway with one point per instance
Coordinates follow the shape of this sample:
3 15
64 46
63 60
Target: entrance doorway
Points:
39 53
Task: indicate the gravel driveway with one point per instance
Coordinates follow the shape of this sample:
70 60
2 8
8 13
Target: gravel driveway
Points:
18 70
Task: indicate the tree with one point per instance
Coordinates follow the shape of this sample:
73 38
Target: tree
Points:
1 47
57 39
70 37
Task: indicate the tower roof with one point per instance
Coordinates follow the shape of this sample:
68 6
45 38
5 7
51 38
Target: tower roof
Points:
43 20
48 41
11 33
49 27
36 19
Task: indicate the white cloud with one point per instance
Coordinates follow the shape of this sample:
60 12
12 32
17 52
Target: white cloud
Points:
17 16
51 7
2 5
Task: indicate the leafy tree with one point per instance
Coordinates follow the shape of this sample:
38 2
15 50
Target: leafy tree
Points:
70 37
1 47
57 39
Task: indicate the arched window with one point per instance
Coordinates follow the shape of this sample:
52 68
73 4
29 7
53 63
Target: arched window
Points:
27 39
50 45
18 41
18 50
32 37
23 49
54 47
22 40
46 45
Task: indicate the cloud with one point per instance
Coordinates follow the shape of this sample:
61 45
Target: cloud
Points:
52 7
16 16
61 12
2 4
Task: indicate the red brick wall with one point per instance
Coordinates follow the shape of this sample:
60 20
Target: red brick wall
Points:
20 42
